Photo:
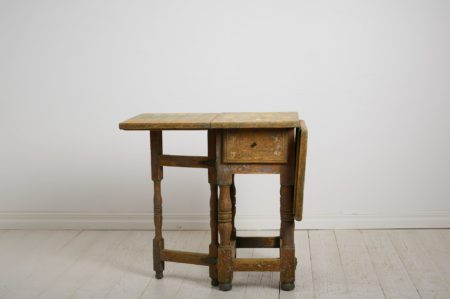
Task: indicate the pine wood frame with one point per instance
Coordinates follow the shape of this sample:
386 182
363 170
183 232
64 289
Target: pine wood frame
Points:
221 258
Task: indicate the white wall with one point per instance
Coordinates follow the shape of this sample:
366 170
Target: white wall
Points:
371 79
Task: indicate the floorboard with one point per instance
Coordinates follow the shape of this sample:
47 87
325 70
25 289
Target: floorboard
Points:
438 249
304 287
391 273
328 272
424 273
360 275
118 264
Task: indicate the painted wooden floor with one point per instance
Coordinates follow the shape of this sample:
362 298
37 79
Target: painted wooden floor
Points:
118 264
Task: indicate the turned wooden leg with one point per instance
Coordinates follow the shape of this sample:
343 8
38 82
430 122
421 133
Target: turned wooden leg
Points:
225 258
287 248
233 208
213 247
158 241
157 175
213 202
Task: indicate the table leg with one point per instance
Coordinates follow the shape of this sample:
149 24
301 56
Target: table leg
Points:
213 247
225 258
233 208
287 248
213 202
157 175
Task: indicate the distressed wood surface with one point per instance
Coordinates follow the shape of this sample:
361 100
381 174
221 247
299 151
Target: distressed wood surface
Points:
256 264
213 207
255 146
261 149
233 209
169 121
301 149
176 274
194 283
255 120
156 146
287 248
269 140
260 284
225 255
253 168
202 121
194 258
185 161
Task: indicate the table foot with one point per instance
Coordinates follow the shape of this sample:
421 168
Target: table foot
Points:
225 286
159 275
214 282
287 286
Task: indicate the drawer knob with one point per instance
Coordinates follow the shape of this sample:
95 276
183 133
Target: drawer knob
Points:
253 144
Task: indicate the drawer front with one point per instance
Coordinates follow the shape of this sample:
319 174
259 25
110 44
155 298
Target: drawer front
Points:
255 146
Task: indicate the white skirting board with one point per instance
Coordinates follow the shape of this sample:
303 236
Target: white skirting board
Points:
114 221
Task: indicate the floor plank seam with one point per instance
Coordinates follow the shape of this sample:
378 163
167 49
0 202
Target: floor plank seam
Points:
310 261
404 266
347 290
124 238
371 262
345 264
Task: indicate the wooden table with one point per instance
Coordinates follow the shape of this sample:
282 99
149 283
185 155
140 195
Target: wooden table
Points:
238 143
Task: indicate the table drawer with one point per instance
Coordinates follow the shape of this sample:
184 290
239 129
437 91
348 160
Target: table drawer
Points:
255 146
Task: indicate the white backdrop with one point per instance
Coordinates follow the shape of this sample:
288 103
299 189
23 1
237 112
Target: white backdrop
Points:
371 79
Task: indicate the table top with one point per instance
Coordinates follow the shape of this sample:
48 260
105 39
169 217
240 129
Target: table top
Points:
204 121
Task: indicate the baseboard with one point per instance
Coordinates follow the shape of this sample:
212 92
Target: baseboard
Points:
113 221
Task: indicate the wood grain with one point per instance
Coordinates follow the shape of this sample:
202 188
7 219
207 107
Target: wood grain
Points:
392 275
185 161
255 146
225 255
81 249
194 258
120 276
255 120
328 273
213 206
202 121
254 168
26 252
169 121
304 287
424 273
157 175
177 274
359 272
256 264
117 264
301 145
245 143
